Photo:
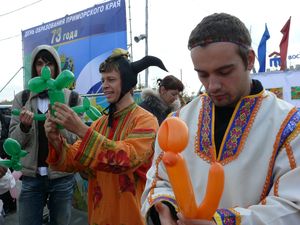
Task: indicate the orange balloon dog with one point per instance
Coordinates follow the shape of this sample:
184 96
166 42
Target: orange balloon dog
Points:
173 138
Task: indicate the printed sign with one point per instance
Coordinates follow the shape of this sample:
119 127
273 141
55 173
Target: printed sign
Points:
83 40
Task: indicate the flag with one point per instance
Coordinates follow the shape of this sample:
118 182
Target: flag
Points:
262 50
284 44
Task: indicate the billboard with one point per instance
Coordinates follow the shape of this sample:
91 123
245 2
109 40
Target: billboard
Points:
83 40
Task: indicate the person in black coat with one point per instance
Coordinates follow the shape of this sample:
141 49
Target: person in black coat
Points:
165 99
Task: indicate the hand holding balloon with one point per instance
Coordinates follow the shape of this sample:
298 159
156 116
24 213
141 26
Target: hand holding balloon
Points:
13 149
173 138
91 111
38 117
55 87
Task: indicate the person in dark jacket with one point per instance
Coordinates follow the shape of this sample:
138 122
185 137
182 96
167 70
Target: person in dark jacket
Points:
165 99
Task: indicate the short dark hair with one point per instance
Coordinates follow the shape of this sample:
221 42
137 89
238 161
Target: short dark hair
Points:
222 27
171 82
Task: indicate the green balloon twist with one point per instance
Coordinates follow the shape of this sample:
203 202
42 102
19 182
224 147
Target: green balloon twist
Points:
13 149
54 86
56 94
36 116
91 111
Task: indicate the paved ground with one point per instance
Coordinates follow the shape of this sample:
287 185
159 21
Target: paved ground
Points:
78 218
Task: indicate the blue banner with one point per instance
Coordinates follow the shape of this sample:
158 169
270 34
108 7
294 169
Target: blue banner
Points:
83 40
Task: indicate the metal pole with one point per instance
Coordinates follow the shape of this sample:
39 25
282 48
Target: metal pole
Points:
130 31
146 43
11 79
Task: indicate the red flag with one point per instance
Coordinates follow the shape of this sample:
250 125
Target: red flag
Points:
284 44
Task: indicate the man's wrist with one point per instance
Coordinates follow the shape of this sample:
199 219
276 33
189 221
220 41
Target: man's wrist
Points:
57 143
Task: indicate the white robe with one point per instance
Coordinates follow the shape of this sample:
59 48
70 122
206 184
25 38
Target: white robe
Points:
260 153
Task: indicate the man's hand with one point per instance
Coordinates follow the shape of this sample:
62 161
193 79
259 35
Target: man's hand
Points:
52 132
67 118
165 217
26 119
184 221
164 213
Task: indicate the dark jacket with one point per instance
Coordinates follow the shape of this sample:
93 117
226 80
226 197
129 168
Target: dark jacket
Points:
153 103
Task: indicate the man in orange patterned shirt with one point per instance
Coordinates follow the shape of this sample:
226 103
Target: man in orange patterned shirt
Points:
116 150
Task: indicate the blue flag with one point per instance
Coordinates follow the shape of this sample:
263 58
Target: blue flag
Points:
262 50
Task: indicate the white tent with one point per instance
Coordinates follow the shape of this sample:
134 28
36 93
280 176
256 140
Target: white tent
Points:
286 85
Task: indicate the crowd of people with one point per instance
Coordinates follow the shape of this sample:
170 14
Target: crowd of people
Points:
236 122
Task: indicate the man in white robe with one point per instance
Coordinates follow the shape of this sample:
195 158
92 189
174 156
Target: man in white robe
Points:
253 134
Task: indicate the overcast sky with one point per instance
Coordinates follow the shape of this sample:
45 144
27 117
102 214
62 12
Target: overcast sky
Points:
170 23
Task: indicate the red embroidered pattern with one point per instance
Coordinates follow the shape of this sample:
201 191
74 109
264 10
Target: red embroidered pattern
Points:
126 184
111 161
97 196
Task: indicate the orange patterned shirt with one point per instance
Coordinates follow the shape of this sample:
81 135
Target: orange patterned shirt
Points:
117 159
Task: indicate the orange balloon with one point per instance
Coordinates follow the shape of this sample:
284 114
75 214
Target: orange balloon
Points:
181 183
173 135
173 138
214 191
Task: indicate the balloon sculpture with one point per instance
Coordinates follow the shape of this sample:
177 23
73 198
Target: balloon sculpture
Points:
13 149
91 111
56 94
36 116
55 87
173 138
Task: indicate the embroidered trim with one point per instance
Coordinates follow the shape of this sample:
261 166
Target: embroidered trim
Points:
203 142
239 129
168 198
289 149
276 185
227 217
154 182
287 127
290 155
236 133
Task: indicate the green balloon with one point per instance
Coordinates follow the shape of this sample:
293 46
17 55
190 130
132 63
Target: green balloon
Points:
86 103
37 84
6 163
46 73
36 116
56 96
95 111
11 146
91 115
13 149
64 79
78 109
